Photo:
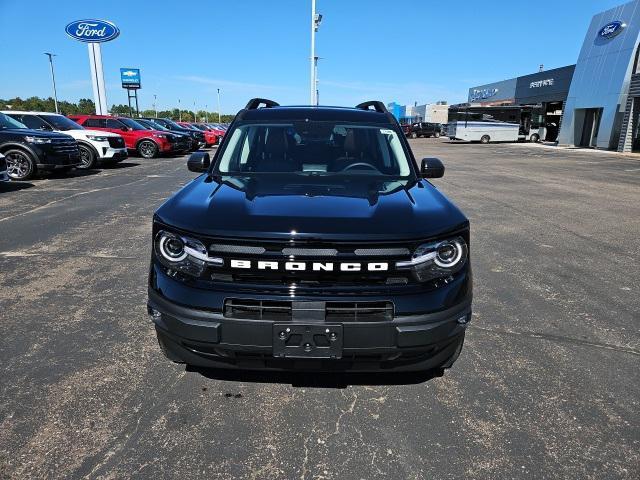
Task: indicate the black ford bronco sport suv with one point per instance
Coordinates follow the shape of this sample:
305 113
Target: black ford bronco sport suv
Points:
311 241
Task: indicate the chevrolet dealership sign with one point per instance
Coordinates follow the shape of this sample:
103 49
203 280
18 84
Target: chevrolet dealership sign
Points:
130 77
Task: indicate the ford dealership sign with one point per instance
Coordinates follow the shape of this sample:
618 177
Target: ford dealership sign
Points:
612 29
94 31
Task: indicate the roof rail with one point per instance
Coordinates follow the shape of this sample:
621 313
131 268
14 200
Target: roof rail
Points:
377 106
255 103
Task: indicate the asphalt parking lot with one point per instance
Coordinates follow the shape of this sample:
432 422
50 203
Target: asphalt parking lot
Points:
547 386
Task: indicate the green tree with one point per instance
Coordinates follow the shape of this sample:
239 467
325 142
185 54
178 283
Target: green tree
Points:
122 110
86 106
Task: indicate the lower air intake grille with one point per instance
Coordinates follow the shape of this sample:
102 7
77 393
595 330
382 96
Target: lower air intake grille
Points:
279 311
359 312
246 309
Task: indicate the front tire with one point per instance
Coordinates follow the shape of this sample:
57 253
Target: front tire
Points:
20 164
535 138
414 135
148 149
437 134
485 139
87 158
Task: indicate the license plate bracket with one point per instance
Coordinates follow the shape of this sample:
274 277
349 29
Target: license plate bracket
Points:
307 340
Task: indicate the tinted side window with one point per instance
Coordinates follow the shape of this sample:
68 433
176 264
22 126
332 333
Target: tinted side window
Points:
34 122
112 123
95 122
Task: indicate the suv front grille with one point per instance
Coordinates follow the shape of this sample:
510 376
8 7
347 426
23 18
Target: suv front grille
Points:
284 311
323 261
116 142
62 146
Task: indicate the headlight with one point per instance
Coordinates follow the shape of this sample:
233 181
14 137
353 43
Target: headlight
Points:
159 135
97 138
38 140
183 254
437 259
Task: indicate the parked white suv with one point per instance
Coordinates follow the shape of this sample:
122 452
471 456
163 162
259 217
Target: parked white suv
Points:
95 145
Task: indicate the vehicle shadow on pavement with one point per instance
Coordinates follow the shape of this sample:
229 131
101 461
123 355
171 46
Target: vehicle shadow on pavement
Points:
14 186
318 379
118 166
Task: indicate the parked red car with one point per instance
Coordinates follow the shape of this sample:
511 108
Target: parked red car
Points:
211 136
147 143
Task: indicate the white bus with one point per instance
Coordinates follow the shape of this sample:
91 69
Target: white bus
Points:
495 124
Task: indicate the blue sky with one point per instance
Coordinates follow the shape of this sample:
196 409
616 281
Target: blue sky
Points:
405 51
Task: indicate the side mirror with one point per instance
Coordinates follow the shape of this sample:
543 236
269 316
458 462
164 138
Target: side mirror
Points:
46 128
431 168
199 162
124 129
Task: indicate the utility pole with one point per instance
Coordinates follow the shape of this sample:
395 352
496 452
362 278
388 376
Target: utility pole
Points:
179 111
219 116
315 76
316 18
53 79
313 52
155 104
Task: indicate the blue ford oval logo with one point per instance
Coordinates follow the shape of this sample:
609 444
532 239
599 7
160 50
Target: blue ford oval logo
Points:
92 30
612 29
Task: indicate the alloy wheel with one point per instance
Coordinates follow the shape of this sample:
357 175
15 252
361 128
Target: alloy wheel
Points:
19 165
86 158
147 149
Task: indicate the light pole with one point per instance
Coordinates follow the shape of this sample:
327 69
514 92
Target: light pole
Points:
316 18
206 113
179 111
195 118
53 79
219 116
155 104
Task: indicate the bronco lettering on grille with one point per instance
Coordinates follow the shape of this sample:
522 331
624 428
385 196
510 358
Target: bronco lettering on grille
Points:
313 266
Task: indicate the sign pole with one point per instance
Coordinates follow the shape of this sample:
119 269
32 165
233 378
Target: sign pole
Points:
97 78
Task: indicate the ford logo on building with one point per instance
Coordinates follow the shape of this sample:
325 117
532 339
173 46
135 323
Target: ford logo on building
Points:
93 31
612 29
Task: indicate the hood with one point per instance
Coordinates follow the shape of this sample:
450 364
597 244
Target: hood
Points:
274 206
37 133
84 133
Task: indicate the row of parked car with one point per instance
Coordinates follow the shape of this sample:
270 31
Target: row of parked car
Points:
39 142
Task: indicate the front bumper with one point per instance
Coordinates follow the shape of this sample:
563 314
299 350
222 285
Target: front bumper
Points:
58 161
109 153
4 177
206 338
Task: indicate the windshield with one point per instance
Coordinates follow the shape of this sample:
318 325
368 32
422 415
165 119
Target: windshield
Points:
145 123
201 127
315 148
132 124
172 124
8 122
151 125
61 123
